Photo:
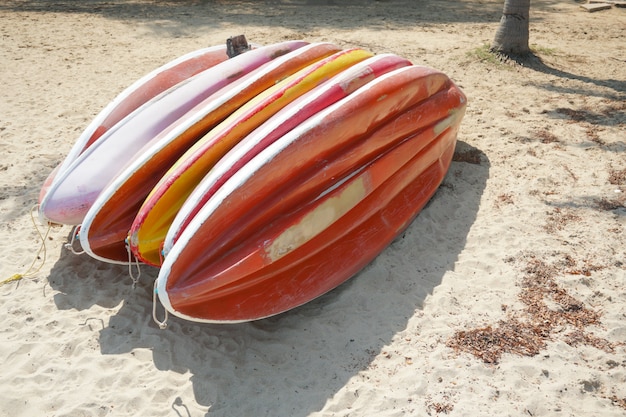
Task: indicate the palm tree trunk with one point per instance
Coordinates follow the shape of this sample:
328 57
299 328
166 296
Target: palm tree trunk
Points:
512 35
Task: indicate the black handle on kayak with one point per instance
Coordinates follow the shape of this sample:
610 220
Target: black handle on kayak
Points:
236 45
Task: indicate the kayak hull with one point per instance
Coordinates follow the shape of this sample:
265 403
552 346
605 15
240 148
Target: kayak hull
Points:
313 208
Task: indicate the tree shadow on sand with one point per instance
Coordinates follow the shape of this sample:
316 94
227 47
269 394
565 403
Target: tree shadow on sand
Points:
295 14
616 88
304 356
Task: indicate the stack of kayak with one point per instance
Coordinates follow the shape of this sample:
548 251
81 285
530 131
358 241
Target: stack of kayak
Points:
260 181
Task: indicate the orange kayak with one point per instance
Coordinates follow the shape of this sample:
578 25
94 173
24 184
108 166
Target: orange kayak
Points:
106 225
314 207
316 100
151 224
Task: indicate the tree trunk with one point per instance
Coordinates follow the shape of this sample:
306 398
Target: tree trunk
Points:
512 35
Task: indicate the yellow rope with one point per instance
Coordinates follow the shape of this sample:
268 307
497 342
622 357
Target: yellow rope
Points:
32 270
15 277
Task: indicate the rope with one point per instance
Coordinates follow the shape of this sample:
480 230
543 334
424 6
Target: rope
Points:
15 277
70 246
32 270
130 265
161 253
162 324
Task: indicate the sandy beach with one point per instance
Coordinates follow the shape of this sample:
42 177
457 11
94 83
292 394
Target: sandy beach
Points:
505 297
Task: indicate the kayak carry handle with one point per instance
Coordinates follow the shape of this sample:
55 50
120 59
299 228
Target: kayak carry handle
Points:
236 45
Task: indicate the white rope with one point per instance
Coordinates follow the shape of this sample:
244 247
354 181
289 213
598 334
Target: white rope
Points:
70 246
42 249
162 324
130 266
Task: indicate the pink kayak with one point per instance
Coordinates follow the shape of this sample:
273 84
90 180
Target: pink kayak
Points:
136 95
75 189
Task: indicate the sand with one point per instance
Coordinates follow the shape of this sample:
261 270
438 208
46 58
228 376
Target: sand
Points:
504 297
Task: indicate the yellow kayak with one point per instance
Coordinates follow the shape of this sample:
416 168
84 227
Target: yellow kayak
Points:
151 224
